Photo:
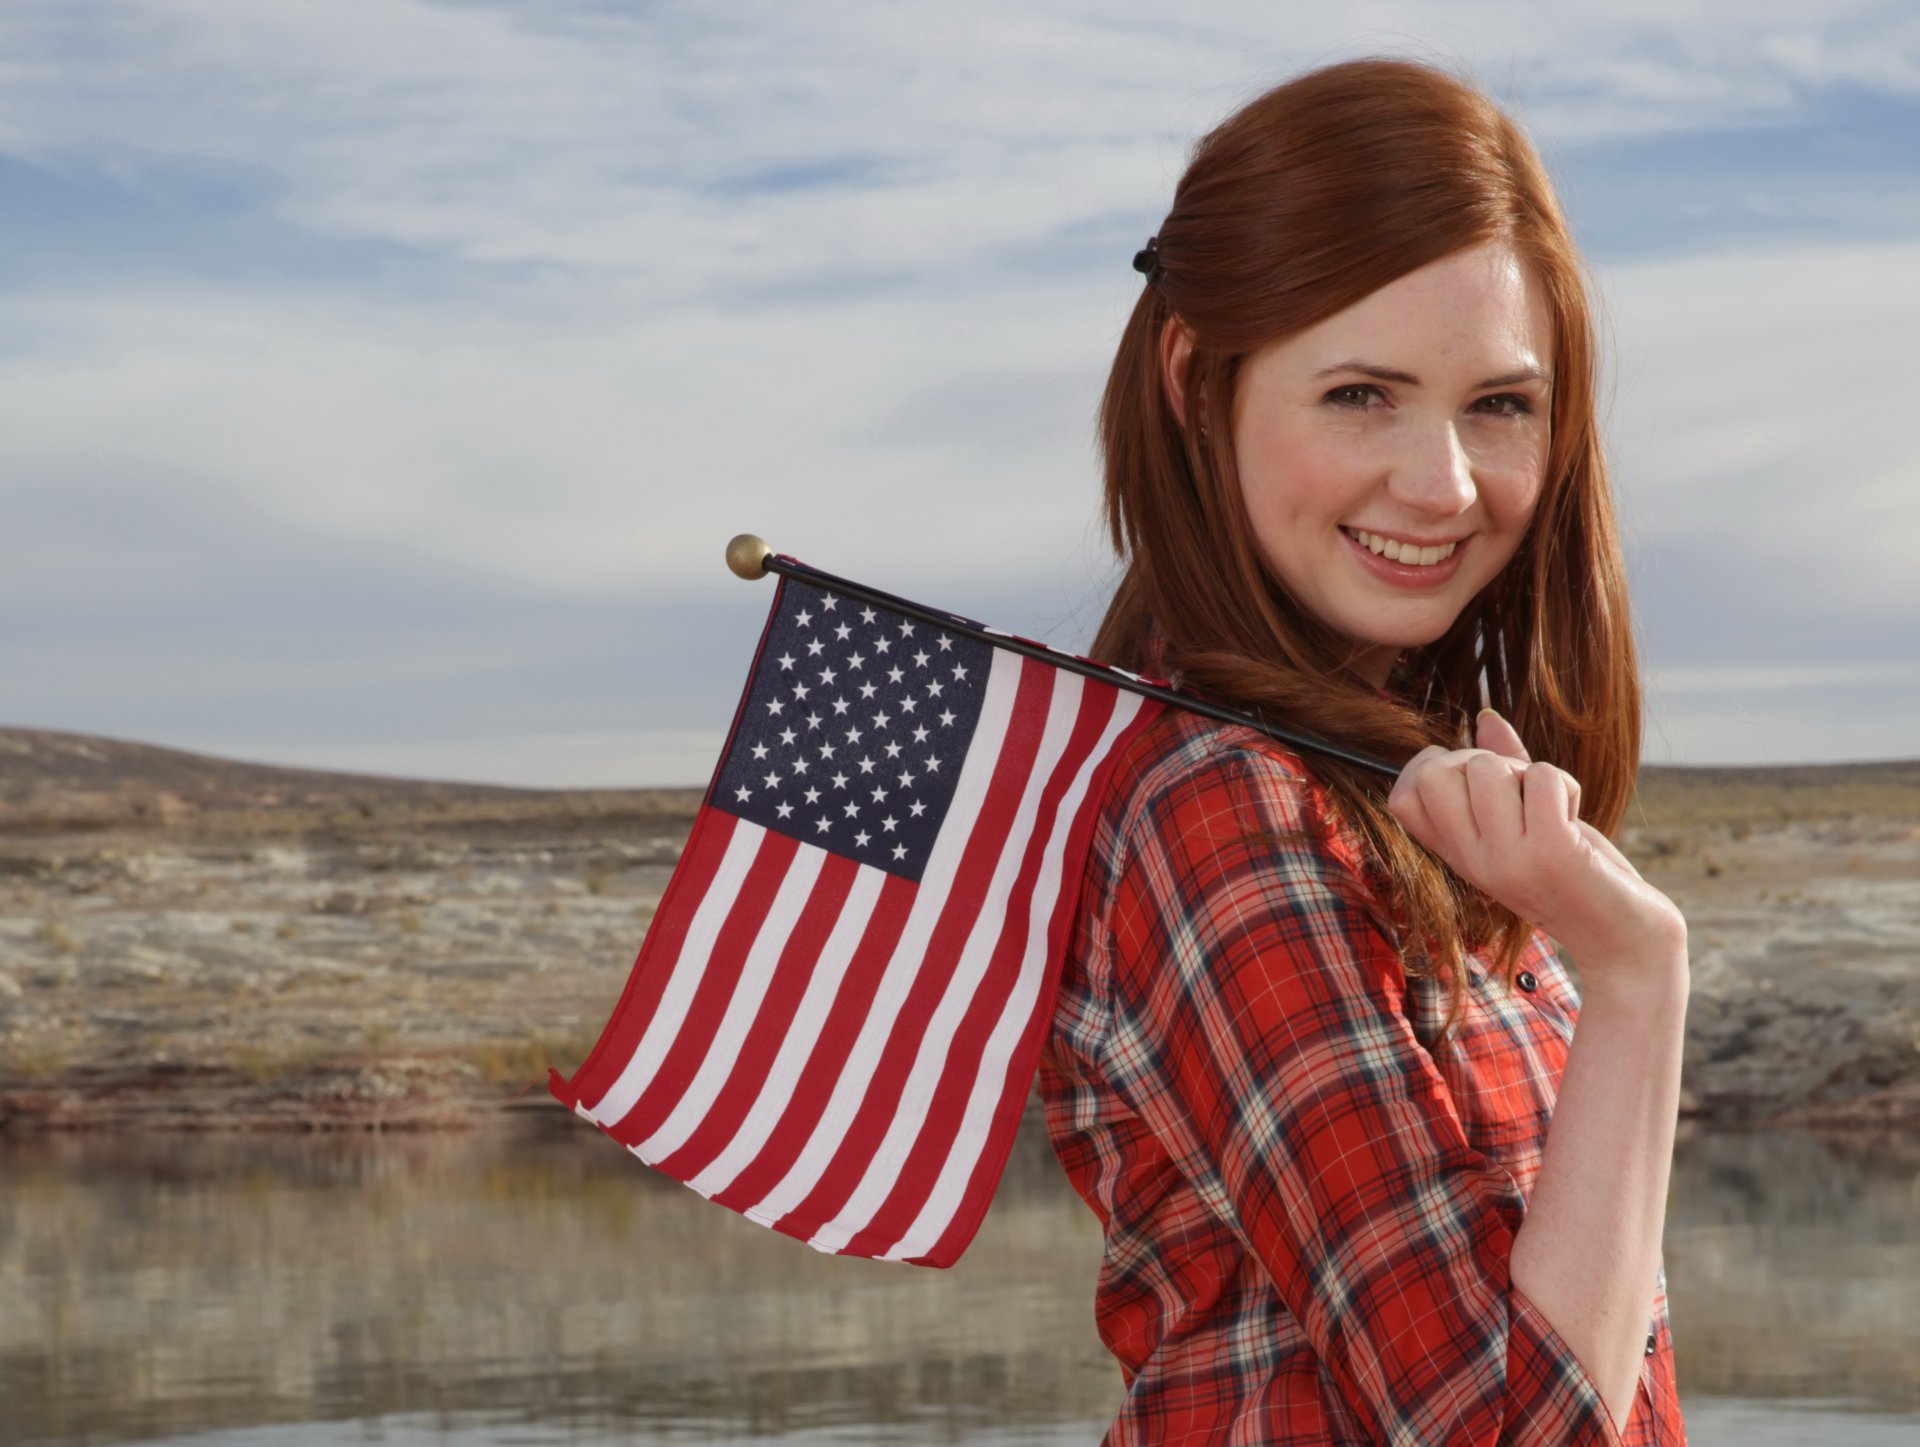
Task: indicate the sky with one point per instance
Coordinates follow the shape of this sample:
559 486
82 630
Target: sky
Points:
381 380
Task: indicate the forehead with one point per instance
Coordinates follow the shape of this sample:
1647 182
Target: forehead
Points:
1482 310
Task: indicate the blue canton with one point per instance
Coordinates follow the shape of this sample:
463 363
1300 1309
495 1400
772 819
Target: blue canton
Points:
854 727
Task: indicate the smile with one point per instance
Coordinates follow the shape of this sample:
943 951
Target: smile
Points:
1407 554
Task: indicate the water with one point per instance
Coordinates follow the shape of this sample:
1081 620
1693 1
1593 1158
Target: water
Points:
537 1286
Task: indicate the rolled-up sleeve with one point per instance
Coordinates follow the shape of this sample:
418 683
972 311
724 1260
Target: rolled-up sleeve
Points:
1259 1031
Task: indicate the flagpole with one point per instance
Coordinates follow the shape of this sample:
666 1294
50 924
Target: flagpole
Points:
749 557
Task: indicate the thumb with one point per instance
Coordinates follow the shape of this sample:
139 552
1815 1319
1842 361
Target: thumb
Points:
1494 733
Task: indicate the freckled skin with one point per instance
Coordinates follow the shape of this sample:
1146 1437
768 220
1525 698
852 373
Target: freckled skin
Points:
1321 444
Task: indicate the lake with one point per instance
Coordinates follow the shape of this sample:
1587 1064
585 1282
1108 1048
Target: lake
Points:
531 1283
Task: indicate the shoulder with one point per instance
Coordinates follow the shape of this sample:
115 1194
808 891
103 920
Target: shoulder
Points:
1192 803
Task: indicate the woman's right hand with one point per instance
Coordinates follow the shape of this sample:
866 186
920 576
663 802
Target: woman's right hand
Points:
1511 826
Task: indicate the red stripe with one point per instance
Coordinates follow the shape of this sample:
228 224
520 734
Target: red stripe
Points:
719 973
1024 1062
822 1065
750 1068
945 1112
647 981
984 847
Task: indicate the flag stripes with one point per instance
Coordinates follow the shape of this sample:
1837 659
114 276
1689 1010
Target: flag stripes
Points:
842 1052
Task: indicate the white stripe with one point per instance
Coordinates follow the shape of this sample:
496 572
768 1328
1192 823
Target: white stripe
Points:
990 1084
687 968
963 988
976 776
802 1035
756 973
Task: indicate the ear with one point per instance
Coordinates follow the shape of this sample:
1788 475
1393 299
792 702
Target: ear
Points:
1176 351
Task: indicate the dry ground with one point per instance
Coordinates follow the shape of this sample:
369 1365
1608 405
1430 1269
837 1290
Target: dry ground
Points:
192 942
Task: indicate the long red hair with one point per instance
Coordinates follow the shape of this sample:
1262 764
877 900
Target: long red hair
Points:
1307 199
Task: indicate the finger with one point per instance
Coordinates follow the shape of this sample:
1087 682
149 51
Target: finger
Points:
1546 790
1443 789
1404 801
1495 795
1494 733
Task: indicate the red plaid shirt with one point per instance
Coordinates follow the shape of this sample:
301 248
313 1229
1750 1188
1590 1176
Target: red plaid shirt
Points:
1308 1208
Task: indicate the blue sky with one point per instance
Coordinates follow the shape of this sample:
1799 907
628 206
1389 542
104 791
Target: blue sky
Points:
379 382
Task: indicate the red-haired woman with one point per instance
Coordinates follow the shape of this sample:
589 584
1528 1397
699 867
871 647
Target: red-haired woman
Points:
1315 1061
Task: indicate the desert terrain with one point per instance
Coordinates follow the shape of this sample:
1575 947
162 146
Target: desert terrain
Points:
193 943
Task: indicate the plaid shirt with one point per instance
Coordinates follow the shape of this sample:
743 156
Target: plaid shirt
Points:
1308 1208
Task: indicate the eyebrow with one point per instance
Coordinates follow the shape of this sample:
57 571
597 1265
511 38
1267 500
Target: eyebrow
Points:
1394 374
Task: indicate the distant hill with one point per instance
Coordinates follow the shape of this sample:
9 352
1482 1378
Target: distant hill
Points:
50 779
53 779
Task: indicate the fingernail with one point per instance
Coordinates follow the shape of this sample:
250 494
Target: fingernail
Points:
1485 711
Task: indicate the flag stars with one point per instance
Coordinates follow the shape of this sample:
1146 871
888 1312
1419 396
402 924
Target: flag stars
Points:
933 764
759 751
894 675
899 851
839 705
960 671
857 661
786 662
799 767
879 793
815 648
813 720
933 689
862 838
866 766
853 735
920 658
867 690
827 675
742 793
893 749
946 644
917 808
799 690
881 645
906 629
887 823
812 796
906 778
774 705
839 781
920 735
866 615
826 751
831 602
787 736
843 632
853 810
906 705
822 824
773 781
803 618
881 720
784 810
946 717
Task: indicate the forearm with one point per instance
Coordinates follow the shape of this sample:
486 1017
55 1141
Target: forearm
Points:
1587 1253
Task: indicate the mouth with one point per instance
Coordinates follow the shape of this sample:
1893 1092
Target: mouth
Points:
1407 553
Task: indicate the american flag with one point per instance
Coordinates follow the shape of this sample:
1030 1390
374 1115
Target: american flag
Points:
836 1014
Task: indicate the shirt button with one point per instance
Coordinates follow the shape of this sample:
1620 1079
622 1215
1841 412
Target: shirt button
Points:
1526 981
1650 1341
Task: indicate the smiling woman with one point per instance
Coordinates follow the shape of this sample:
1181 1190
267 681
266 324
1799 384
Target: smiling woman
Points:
1311 1034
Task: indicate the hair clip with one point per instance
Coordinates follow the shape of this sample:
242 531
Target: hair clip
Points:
1146 261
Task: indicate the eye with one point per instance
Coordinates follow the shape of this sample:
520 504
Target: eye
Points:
1504 404
1355 395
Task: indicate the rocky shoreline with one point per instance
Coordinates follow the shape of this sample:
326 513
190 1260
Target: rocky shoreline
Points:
194 944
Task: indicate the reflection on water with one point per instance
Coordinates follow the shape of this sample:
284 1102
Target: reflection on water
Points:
536 1285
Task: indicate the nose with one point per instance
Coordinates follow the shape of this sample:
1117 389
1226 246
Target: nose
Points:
1433 473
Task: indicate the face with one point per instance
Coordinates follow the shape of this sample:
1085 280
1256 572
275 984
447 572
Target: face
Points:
1391 457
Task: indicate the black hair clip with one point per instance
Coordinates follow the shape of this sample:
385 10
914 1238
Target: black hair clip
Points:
1146 261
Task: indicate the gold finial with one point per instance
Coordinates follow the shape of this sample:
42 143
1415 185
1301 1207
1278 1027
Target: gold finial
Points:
747 556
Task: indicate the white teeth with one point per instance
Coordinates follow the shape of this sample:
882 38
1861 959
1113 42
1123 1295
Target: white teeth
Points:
1387 547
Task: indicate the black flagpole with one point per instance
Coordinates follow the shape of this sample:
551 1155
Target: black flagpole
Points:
750 558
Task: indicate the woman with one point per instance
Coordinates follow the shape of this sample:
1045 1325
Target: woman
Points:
1312 1028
